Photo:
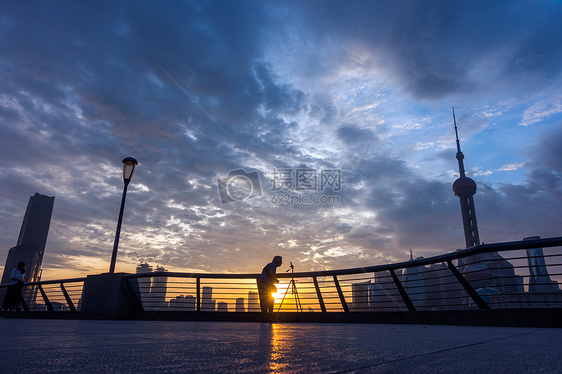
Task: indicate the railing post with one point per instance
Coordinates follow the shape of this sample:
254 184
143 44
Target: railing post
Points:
319 294
198 286
467 287
402 291
68 299
45 299
340 293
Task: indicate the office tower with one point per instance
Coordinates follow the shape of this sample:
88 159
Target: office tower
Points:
253 302
360 297
31 243
182 303
158 290
383 294
239 305
207 302
222 306
539 279
144 284
442 288
414 283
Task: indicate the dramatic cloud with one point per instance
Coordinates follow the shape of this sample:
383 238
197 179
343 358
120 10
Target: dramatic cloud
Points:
294 93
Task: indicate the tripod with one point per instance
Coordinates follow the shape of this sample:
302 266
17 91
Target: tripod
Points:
294 291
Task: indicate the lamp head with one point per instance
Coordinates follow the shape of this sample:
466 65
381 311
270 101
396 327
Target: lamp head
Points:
129 164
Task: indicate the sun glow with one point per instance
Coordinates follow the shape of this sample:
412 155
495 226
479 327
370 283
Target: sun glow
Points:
281 289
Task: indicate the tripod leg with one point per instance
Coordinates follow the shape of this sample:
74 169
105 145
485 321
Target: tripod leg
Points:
283 299
296 295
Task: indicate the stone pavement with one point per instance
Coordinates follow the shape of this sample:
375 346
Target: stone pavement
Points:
76 346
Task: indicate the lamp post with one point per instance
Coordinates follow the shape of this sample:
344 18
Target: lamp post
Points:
129 164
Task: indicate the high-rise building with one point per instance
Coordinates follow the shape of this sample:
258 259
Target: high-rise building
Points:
383 294
31 243
253 302
239 305
222 306
539 279
442 288
414 283
158 290
207 302
360 297
183 303
144 284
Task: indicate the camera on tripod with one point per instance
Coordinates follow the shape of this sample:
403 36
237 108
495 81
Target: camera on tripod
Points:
292 268
294 291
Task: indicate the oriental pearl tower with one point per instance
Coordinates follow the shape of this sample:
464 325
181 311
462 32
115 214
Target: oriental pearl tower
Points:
465 188
485 269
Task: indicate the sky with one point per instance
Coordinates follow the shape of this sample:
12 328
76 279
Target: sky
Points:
321 131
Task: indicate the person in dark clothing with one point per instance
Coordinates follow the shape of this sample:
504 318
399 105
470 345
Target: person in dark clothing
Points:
13 295
266 286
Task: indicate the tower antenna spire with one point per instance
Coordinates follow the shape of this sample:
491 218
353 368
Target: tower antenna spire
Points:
460 156
456 132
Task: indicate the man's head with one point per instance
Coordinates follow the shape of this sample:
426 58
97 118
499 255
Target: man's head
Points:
278 260
21 265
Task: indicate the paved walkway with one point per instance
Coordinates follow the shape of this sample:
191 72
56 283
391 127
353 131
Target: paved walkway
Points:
74 346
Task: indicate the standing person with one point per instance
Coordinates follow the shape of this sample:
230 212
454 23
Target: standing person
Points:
266 286
13 295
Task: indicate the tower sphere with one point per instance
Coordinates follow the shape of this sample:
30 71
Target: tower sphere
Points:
464 187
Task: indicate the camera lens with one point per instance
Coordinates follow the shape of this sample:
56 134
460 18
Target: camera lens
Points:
239 187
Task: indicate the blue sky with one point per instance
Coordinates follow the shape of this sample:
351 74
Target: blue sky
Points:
194 89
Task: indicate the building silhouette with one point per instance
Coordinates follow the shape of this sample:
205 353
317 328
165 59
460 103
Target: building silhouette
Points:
182 303
207 302
239 305
144 284
414 283
222 306
253 302
360 297
539 279
31 244
158 289
383 294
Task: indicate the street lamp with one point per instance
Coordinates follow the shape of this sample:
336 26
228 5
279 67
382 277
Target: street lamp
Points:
129 164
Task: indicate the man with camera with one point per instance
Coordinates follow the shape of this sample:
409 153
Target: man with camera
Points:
266 286
13 295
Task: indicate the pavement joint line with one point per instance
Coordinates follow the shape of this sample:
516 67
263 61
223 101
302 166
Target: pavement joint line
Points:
432 353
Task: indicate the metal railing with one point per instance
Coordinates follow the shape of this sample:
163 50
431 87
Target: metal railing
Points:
522 274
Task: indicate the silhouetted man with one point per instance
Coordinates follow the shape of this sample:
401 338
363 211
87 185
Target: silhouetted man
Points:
13 295
266 286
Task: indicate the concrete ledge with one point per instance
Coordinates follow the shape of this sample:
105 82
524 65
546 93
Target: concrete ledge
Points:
109 296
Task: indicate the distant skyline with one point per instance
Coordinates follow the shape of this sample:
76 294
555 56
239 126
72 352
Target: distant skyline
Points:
351 101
